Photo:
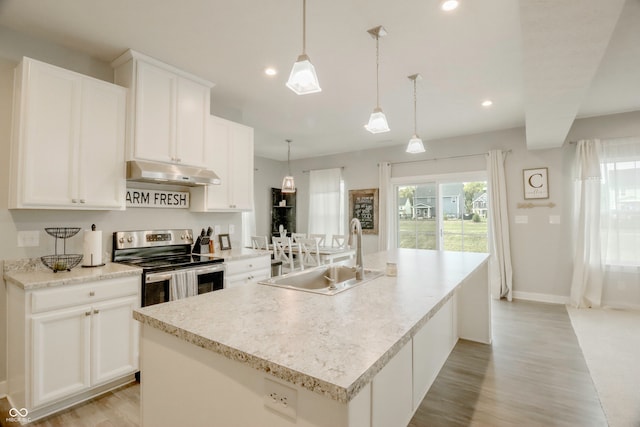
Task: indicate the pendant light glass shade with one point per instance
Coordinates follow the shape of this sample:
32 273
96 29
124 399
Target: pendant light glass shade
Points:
377 120
415 143
303 78
288 184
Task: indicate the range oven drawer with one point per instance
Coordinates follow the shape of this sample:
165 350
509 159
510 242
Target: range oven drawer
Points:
156 287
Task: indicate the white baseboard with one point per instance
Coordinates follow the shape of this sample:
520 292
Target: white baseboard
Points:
548 298
3 389
621 306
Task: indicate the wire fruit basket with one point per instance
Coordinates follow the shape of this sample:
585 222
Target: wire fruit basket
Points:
60 262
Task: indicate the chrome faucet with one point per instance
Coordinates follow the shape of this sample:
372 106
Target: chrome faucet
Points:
356 227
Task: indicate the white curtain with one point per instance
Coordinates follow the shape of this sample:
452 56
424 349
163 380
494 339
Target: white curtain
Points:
586 283
620 211
326 204
385 208
500 270
607 215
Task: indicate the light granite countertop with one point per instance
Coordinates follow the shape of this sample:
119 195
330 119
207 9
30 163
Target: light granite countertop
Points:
29 276
240 253
333 345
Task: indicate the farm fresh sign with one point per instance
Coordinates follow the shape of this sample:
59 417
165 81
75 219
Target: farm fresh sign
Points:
137 198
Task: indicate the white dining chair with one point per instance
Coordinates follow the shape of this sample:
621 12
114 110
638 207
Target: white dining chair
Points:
308 253
339 241
296 236
260 242
319 237
282 252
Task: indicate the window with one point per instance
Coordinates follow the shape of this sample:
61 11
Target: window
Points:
447 214
620 202
326 202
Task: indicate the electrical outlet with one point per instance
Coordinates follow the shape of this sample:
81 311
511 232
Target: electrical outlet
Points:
28 238
281 398
232 228
216 229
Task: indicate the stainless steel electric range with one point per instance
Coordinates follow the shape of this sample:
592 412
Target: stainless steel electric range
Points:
161 254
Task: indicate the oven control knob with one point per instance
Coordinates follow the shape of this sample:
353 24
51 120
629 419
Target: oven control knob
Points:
130 239
121 240
182 236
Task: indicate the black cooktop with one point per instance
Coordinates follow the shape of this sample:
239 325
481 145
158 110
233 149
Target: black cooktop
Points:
174 262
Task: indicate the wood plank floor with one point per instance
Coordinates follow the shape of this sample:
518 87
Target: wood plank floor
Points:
534 374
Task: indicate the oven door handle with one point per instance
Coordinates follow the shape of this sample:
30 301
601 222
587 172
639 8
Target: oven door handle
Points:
161 277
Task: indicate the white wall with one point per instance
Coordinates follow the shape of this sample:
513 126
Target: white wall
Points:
541 252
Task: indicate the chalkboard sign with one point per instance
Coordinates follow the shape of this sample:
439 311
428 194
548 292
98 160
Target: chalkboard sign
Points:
363 204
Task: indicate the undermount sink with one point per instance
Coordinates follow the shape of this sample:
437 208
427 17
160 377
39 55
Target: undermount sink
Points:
326 280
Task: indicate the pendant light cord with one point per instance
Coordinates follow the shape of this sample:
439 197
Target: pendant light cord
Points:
304 27
415 109
289 156
377 72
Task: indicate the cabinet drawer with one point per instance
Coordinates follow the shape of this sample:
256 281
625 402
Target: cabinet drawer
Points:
71 295
248 264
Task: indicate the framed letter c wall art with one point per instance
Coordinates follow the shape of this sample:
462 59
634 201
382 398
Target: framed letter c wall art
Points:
536 183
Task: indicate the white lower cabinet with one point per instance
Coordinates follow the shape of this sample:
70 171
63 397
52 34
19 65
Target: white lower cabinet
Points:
247 270
67 342
391 391
60 354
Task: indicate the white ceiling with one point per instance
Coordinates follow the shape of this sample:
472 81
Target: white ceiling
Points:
542 62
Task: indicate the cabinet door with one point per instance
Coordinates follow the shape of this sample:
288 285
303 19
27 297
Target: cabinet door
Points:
47 163
192 114
155 115
242 167
60 354
114 339
101 166
218 161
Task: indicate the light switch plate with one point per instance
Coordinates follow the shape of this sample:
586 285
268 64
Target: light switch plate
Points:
216 229
522 219
232 228
554 219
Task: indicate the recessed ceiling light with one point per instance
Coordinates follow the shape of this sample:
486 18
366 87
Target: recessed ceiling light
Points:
487 103
449 5
269 71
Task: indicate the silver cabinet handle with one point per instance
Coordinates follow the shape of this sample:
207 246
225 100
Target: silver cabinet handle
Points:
87 313
74 200
96 311
92 294
82 201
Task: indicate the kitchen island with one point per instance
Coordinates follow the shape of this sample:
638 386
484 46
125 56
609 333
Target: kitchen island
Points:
262 355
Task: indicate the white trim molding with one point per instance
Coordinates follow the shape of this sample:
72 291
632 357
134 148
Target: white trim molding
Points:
548 298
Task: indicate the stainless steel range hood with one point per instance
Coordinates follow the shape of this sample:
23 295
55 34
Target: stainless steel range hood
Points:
164 173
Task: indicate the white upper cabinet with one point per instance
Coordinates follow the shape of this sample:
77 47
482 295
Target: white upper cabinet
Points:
230 155
67 149
168 110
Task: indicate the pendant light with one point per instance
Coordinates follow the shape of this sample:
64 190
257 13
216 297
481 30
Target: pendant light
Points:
288 185
303 78
415 143
377 120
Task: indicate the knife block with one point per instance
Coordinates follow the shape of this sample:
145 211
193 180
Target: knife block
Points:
201 246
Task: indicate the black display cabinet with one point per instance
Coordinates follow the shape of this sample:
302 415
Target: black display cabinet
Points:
283 211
